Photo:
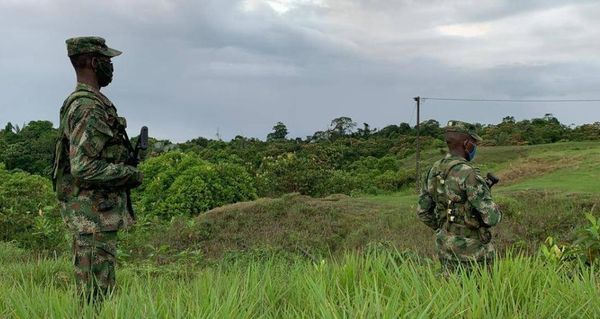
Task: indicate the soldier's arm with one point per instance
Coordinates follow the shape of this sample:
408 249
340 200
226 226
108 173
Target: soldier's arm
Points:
480 197
89 134
426 206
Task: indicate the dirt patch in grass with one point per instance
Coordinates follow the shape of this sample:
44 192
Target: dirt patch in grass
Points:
535 167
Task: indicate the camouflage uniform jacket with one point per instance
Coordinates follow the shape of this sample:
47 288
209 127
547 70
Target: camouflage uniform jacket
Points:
89 173
456 201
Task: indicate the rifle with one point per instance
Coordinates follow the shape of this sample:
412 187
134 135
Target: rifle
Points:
491 180
475 221
134 160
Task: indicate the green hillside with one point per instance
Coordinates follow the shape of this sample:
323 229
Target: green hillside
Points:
544 192
363 256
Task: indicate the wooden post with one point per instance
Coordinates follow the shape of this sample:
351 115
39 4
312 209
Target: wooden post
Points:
418 154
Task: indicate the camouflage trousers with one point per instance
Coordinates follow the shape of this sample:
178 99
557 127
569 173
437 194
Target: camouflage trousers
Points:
462 252
95 259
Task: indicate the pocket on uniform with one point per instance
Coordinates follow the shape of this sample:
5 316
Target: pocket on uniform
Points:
105 205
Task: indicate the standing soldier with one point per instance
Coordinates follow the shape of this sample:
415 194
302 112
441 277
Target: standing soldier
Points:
91 174
456 202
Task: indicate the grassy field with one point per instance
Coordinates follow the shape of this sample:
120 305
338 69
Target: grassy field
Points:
341 257
380 283
545 191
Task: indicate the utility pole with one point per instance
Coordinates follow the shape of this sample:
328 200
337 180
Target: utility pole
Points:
418 154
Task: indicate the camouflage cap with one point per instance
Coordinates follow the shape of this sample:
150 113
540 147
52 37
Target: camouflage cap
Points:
463 127
82 45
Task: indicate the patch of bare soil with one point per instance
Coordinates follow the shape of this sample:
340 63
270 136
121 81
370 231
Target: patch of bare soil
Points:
534 167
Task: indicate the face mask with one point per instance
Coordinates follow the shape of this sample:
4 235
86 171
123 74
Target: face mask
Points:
104 72
471 154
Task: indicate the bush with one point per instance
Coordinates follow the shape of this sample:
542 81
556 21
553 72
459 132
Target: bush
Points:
178 184
588 240
293 173
29 212
307 175
342 182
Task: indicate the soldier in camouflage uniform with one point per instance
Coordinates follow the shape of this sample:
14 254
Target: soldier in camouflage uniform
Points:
457 204
90 172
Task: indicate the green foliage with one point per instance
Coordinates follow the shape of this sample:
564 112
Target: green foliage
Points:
543 130
431 128
10 252
588 240
342 126
280 132
382 284
551 251
585 247
29 148
340 159
294 224
182 184
531 213
292 173
28 211
586 132
367 182
346 165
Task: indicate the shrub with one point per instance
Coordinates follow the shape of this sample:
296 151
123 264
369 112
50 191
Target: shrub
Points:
178 184
293 173
341 182
588 240
28 211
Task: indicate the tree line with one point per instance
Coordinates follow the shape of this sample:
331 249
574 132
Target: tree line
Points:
187 179
345 158
29 148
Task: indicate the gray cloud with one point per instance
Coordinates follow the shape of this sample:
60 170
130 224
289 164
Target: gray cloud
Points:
191 68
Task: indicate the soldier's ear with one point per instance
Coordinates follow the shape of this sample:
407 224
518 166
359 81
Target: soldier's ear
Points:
466 144
94 62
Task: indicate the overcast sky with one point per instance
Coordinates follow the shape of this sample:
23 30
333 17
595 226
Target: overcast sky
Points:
192 68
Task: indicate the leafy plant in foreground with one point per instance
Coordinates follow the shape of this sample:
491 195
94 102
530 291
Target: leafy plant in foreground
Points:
588 240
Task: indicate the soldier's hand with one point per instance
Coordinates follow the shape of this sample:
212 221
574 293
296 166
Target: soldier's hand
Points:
485 235
491 180
132 161
136 179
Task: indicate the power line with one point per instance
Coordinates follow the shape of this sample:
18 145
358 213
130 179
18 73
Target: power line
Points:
510 100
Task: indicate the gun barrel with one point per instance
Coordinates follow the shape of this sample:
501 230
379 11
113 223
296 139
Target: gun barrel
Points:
143 142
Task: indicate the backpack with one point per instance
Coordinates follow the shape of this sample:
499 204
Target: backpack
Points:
61 150
437 188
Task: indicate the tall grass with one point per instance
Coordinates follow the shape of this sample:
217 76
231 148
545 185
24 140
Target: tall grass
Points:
373 285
